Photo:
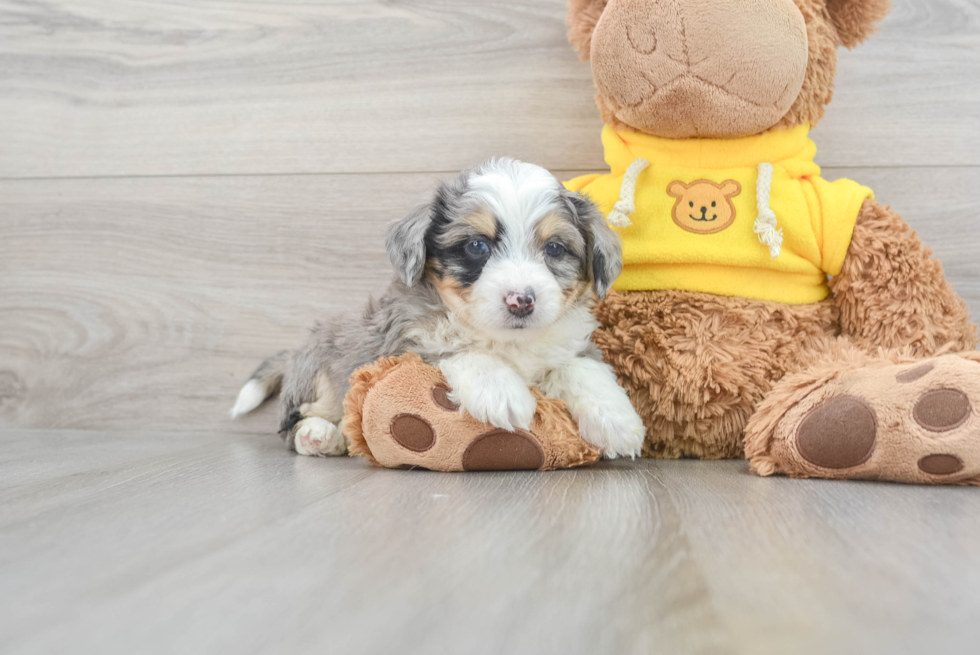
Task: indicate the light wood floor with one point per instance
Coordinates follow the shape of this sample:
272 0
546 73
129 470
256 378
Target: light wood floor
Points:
186 185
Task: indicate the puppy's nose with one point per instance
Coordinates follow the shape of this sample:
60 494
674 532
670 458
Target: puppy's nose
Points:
520 303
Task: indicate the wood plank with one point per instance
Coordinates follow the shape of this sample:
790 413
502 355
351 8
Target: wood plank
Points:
117 87
143 304
161 543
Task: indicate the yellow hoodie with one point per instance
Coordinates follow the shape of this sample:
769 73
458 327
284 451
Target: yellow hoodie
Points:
744 217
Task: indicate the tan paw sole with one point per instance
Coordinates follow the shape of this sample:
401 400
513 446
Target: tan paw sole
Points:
407 420
916 423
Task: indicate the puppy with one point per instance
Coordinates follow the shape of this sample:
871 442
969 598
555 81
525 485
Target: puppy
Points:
497 277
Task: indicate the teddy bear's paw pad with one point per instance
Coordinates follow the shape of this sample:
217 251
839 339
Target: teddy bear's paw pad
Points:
839 434
413 432
917 373
940 464
942 410
501 450
440 394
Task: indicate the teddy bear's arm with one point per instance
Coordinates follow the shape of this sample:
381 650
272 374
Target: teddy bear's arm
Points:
892 293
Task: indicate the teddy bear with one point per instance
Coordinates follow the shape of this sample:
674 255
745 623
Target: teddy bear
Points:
763 310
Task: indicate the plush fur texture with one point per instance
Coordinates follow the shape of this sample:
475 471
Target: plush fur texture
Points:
893 294
497 277
697 365
856 20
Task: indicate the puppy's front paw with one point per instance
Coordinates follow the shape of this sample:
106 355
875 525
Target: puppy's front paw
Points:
507 407
319 437
617 432
502 405
490 391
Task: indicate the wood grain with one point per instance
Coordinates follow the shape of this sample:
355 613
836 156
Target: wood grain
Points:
224 543
143 304
126 87
185 186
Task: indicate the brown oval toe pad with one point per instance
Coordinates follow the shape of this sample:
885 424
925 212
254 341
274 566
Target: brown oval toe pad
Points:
501 450
413 432
942 410
917 373
839 434
440 394
941 464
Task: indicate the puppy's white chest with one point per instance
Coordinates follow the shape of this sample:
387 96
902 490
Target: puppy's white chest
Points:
531 357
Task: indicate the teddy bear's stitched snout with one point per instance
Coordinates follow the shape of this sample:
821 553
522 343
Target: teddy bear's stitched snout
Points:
686 68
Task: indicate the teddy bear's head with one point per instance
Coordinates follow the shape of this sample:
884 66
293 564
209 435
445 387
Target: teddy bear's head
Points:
716 68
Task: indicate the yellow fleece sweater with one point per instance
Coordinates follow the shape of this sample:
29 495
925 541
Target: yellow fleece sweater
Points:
701 208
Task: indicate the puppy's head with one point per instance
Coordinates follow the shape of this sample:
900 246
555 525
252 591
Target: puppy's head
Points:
508 248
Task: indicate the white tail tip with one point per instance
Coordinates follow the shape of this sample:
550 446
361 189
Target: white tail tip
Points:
251 396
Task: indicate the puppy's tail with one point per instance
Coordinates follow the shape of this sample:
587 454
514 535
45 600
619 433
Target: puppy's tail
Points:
265 382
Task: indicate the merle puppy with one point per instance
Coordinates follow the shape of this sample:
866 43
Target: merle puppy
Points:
497 277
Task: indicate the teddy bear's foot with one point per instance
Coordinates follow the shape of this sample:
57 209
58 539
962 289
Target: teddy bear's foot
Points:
399 414
914 422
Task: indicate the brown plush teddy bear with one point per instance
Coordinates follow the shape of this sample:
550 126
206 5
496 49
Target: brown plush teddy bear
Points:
764 310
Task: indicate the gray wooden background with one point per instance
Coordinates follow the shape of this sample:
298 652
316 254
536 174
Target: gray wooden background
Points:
186 186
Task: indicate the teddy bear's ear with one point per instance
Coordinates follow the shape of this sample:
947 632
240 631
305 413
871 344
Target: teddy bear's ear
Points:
583 16
856 20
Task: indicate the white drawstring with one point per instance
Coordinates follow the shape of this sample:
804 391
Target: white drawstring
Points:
626 207
765 226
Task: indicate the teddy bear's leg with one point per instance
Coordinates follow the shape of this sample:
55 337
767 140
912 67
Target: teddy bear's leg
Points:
893 294
859 416
400 412
855 415
696 366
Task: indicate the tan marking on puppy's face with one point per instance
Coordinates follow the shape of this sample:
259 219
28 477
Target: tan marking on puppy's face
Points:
571 268
704 207
483 222
557 228
454 294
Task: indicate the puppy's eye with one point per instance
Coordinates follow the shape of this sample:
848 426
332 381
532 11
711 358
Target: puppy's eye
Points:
714 204
692 204
477 249
554 249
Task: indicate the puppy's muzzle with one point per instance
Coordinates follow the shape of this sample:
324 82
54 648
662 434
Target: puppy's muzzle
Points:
520 303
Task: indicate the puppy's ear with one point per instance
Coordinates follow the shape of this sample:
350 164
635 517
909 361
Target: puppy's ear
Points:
583 16
856 20
405 243
604 252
